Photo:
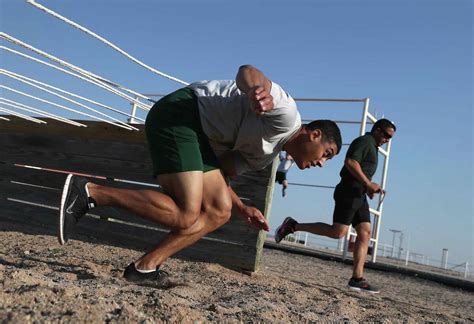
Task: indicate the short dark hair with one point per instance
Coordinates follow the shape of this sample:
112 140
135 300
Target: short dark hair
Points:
384 124
330 131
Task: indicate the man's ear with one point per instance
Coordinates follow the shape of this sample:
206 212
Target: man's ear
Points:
315 134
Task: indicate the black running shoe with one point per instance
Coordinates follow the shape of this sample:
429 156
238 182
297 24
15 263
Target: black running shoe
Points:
157 279
75 202
362 285
287 227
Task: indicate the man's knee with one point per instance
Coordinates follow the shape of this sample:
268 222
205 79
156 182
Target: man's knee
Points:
339 234
363 232
339 231
220 212
187 219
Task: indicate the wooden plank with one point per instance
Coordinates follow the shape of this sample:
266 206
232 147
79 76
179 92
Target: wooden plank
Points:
28 189
95 166
50 144
94 130
235 231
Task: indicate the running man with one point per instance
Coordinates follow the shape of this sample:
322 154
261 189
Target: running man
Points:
286 162
351 202
197 136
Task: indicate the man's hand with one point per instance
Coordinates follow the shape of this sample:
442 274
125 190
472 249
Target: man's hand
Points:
257 87
372 189
261 100
253 216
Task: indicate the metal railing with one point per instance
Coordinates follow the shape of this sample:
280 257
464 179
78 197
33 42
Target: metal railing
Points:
388 253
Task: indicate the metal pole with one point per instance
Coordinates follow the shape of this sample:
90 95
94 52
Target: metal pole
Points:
466 270
407 257
400 246
340 245
365 112
346 243
380 205
444 259
132 119
394 231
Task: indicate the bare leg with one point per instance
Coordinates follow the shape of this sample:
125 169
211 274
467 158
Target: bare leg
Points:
360 249
216 211
335 231
285 186
179 211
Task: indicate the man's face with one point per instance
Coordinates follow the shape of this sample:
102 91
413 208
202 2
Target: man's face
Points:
312 151
382 136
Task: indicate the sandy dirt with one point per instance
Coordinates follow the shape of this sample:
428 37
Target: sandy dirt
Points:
81 282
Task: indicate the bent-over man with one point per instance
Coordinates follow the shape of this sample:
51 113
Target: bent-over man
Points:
197 136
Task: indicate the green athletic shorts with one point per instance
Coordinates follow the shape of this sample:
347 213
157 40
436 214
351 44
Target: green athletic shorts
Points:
175 137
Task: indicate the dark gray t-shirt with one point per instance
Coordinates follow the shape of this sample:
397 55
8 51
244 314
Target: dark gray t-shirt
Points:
365 151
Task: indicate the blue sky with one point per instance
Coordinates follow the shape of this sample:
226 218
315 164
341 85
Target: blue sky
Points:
413 59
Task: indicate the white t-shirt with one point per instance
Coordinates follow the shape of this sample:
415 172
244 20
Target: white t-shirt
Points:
230 124
285 164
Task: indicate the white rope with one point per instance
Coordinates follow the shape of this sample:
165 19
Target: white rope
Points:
75 75
78 96
24 107
17 114
4 118
22 78
60 106
116 122
87 31
97 80
88 74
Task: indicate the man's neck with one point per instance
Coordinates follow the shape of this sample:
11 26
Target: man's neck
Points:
288 146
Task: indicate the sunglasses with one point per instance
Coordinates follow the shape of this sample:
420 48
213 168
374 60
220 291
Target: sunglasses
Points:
385 134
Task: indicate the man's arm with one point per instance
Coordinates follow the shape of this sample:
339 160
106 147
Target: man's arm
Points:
251 215
355 169
255 84
227 161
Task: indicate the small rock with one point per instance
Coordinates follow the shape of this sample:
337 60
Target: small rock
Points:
212 308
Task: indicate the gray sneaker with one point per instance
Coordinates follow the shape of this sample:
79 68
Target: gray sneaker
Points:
156 279
362 285
287 227
75 202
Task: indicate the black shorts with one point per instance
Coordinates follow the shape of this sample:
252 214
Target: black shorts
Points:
280 177
351 205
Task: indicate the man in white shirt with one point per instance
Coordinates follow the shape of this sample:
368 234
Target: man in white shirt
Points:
286 162
197 136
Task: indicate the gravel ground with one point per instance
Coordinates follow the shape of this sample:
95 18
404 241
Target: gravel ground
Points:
42 281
